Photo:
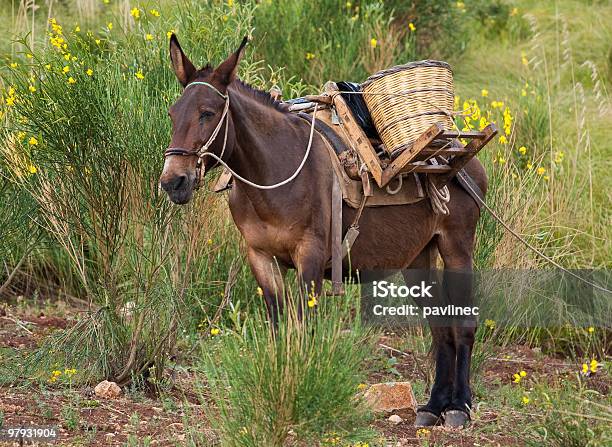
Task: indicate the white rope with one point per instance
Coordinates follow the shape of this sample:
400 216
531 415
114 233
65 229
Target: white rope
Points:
531 247
275 185
438 197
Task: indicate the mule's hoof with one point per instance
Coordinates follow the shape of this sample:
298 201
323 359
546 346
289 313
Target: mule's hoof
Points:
426 419
456 419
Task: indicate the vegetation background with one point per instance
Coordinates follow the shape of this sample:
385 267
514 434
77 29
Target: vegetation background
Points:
84 91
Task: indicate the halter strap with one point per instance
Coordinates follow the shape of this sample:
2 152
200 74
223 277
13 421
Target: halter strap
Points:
207 85
200 153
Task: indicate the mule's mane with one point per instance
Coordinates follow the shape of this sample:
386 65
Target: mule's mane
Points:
260 96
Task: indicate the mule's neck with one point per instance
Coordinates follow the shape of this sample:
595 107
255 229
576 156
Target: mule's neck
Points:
269 143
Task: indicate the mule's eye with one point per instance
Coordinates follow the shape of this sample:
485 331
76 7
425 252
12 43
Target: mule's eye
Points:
206 114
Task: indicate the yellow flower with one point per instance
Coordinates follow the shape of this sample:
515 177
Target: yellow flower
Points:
411 27
214 331
523 92
422 432
259 291
312 302
31 88
56 41
148 36
66 69
546 177
502 160
154 12
349 5
70 372
525 400
14 64
309 56
109 25
47 67
209 241
513 12
522 150
29 56
585 368
541 170
135 12
591 329
484 93
32 169
98 41
230 3
170 33
67 56
139 75
516 378
503 139
21 135
373 42
77 29
361 386
33 141
523 374
89 72
10 100
559 157
529 165
71 80
524 59
490 323
594 365
225 17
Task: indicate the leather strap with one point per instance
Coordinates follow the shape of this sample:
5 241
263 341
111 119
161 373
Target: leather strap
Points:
470 186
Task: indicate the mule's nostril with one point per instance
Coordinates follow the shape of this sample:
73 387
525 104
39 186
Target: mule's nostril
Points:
175 183
180 181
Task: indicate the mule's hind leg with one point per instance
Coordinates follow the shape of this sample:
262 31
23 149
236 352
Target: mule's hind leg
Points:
456 249
443 343
269 274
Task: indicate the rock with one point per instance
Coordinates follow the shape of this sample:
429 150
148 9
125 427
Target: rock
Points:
395 419
107 390
390 396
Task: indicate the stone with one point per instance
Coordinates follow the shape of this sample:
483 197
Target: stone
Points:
390 396
107 390
394 418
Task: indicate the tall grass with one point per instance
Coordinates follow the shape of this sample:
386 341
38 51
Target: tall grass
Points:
272 386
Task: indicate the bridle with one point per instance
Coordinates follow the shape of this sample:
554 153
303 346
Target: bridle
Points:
203 151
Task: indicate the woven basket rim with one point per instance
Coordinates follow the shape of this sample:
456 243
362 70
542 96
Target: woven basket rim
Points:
403 67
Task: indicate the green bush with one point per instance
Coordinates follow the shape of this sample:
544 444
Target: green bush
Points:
300 381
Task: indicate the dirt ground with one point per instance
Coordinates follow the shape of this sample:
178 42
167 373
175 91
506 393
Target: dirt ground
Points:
179 418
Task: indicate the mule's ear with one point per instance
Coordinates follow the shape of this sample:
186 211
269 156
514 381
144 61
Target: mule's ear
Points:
226 71
183 68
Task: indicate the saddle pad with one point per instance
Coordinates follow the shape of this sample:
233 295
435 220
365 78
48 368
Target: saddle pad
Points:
411 190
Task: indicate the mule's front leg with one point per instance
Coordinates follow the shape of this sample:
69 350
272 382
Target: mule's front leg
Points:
269 274
310 264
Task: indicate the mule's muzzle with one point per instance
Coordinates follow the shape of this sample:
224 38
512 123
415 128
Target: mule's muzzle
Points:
179 188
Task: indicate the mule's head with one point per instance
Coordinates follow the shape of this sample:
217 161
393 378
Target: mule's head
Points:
195 116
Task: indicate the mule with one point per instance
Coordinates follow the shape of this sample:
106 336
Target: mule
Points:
290 226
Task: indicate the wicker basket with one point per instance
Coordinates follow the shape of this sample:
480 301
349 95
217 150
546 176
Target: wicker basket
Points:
406 100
